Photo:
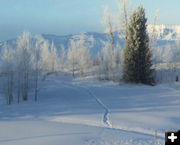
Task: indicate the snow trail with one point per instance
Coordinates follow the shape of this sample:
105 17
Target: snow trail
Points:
106 120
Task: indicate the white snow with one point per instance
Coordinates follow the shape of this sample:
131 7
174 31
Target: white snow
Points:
165 32
88 112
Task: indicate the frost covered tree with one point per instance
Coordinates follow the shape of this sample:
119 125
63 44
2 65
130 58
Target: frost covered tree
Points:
24 50
84 55
49 57
110 63
8 61
72 57
109 67
54 58
62 57
167 63
17 64
45 55
137 54
109 25
36 63
123 15
78 56
23 64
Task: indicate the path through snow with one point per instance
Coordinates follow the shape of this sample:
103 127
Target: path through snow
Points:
106 119
106 114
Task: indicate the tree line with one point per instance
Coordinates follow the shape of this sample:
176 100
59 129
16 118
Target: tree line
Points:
22 65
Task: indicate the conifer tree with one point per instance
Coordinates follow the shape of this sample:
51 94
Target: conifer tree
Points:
137 53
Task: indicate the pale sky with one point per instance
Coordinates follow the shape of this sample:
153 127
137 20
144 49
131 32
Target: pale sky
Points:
63 17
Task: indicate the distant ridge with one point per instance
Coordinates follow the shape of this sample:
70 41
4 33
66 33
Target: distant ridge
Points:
165 32
164 35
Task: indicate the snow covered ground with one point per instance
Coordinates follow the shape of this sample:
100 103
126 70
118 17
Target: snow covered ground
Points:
88 112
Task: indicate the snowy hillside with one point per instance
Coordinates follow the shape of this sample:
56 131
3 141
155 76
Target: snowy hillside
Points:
166 35
87 112
165 32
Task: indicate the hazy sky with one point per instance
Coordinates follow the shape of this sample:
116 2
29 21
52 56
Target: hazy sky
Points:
71 16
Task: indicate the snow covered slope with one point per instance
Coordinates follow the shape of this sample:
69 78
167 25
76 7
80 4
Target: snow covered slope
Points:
165 32
87 112
166 35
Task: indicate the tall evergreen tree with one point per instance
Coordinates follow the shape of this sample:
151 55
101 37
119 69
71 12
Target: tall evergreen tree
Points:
137 54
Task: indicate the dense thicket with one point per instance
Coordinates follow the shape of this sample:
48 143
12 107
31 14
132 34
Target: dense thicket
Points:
21 66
